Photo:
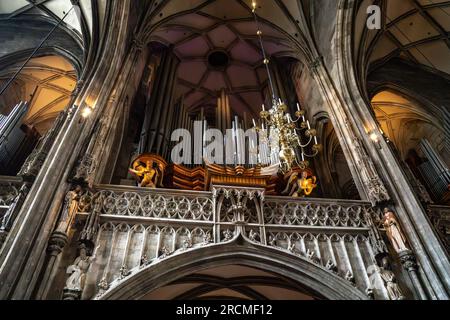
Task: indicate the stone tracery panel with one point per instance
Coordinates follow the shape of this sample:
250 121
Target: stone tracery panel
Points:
138 229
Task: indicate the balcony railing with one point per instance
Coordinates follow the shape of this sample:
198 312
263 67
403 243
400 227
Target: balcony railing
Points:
133 228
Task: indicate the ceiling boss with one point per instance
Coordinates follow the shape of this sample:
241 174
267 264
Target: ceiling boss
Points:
292 134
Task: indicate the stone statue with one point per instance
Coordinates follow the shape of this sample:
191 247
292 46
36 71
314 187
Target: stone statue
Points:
393 231
79 269
70 208
144 260
300 187
390 282
147 174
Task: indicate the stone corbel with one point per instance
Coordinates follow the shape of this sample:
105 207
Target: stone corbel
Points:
84 169
314 64
138 43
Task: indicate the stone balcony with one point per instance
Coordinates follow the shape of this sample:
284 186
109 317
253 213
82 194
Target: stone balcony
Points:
136 228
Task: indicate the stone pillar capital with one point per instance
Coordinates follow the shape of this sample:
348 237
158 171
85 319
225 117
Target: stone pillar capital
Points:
408 260
57 242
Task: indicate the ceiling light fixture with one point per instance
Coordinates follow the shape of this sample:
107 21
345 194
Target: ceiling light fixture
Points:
278 121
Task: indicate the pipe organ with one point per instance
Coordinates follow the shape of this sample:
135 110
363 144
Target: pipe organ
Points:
434 172
16 140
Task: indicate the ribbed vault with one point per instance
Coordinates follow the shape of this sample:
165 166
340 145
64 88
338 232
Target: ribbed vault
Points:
46 83
415 30
232 282
405 122
199 28
86 18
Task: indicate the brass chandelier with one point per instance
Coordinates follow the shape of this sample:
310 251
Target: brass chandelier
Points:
291 134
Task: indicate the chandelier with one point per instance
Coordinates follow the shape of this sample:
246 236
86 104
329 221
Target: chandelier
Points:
287 135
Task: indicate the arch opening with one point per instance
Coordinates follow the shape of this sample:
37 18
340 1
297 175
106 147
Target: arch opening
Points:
45 84
418 140
298 276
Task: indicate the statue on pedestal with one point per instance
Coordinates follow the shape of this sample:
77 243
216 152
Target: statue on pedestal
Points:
78 270
393 231
70 208
390 282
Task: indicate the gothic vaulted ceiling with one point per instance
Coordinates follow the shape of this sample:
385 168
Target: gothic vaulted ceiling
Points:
81 20
197 28
415 30
46 83
231 282
406 123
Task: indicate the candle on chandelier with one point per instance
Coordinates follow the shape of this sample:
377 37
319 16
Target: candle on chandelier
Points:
315 140
309 126
263 107
298 107
254 123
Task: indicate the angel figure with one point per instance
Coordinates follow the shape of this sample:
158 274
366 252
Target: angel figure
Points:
147 174
300 187
79 269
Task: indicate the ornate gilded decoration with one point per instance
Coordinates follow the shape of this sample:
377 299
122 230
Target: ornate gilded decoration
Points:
278 121
149 170
257 177
300 186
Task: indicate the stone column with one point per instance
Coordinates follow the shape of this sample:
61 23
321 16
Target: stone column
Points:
409 262
23 255
354 121
94 160
367 179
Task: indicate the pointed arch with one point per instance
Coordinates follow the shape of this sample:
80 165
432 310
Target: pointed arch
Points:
240 252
